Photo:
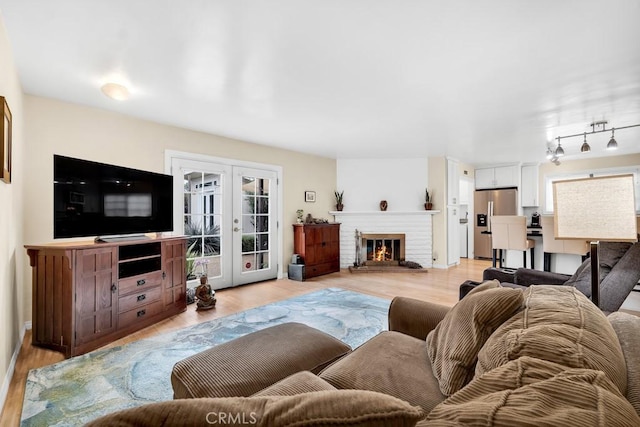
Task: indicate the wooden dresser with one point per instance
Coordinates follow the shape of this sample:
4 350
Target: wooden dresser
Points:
319 247
86 294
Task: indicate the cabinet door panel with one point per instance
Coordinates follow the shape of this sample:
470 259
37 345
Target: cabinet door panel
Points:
95 300
174 273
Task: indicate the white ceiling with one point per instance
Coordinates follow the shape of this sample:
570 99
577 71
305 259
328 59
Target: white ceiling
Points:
483 81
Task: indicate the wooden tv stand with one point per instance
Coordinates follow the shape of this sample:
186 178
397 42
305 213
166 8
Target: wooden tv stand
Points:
88 294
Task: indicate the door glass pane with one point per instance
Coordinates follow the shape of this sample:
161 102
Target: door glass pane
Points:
202 223
256 252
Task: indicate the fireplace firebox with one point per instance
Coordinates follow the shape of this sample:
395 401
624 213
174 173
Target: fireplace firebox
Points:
382 249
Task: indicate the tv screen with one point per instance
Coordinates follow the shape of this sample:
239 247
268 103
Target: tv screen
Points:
97 199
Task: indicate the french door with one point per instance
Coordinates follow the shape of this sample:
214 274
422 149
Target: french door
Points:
229 214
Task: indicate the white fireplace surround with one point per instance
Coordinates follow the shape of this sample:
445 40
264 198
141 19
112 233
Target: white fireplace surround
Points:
415 225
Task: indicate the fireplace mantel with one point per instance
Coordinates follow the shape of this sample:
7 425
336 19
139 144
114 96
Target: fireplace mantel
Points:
415 225
425 212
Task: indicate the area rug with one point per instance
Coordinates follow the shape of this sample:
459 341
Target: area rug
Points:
80 389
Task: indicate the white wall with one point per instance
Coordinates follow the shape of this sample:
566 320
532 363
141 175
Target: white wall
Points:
365 182
12 255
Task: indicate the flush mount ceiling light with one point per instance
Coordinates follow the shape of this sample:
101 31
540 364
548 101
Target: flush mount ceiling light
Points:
553 155
115 91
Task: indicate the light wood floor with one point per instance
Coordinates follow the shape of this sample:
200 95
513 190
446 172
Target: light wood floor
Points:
440 286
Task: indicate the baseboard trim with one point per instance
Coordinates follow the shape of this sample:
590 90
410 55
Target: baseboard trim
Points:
4 391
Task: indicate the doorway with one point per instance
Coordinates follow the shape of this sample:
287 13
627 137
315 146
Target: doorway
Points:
229 213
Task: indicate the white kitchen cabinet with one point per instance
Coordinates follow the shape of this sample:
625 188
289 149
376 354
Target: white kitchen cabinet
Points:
529 188
453 235
465 191
497 177
453 182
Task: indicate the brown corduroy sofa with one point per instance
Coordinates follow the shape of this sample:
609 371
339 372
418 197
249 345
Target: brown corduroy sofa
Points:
540 356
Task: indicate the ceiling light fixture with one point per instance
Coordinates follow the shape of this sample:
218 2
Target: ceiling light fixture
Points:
612 145
559 150
585 147
553 155
115 91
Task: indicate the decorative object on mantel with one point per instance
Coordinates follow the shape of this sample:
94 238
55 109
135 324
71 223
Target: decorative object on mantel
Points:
428 200
554 154
310 196
300 216
339 205
5 143
383 205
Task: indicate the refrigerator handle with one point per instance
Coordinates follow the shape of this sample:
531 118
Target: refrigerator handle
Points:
489 215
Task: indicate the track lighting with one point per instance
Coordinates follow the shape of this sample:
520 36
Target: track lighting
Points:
554 154
612 145
585 147
559 150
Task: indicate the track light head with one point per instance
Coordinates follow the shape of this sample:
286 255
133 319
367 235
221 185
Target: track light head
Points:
559 150
585 147
613 144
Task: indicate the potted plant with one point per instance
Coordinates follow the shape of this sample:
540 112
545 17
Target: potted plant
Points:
428 200
300 216
339 205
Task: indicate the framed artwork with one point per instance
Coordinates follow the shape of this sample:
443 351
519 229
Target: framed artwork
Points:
5 147
310 196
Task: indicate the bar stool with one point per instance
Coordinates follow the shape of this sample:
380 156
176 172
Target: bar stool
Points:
551 245
510 232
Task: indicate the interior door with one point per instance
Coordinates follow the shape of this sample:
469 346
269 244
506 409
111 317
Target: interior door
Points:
254 225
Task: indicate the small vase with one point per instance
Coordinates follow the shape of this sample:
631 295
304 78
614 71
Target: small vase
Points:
428 206
339 207
383 205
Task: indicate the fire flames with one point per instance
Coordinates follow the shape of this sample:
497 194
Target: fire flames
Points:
382 254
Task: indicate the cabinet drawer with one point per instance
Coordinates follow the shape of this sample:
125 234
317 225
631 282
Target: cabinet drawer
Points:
139 299
139 283
319 269
139 314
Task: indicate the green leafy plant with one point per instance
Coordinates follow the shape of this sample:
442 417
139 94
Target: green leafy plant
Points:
202 244
339 196
428 198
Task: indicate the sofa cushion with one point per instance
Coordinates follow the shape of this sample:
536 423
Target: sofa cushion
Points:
454 344
609 253
543 393
561 325
392 363
301 382
246 365
320 408
627 328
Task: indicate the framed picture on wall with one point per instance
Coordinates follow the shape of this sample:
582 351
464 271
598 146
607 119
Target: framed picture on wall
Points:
5 147
310 196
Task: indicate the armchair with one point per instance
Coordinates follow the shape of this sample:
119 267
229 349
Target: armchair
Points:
619 273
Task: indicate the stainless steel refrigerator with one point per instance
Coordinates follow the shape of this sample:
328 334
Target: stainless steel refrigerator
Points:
487 203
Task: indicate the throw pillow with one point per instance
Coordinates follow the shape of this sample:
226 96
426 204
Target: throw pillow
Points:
561 325
544 392
454 344
626 327
609 253
320 408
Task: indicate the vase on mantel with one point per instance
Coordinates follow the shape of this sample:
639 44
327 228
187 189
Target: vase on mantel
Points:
383 205
339 207
428 206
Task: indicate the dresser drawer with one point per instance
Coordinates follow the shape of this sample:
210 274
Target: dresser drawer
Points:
139 299
139 314
139 283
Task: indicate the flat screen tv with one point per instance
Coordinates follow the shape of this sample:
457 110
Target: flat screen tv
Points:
97 199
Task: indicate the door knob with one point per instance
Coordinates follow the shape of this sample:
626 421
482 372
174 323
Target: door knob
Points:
236 229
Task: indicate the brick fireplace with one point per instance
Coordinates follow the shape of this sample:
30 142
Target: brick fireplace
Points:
416 226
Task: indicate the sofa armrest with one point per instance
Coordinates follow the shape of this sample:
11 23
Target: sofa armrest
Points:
499 274
527 277
414 317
